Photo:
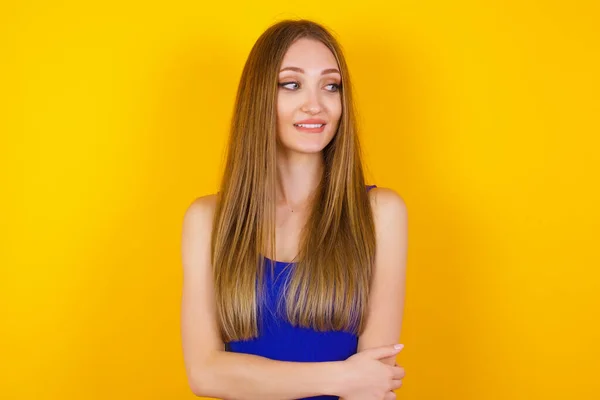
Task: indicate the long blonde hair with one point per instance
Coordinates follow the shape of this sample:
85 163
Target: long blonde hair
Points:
329 286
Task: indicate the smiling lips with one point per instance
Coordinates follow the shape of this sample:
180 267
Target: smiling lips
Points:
310 128
312 125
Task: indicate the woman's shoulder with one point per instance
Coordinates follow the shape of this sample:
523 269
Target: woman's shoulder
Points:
208 201
385 201
202 209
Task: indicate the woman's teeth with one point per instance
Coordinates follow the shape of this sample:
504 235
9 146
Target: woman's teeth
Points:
310 125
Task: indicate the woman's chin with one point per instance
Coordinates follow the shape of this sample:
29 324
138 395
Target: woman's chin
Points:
303 148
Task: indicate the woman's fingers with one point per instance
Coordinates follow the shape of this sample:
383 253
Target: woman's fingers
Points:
390 396
397 373
397 376
396 384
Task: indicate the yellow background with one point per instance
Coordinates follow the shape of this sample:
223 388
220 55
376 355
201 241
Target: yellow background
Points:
482 115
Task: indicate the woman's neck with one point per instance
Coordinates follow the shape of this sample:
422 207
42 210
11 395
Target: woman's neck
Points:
298 177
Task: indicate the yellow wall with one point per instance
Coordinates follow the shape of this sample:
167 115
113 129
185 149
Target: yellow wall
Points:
482 115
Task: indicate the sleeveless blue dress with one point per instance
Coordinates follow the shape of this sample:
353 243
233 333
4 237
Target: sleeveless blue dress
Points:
279 340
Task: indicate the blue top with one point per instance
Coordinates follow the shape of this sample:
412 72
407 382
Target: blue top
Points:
279 340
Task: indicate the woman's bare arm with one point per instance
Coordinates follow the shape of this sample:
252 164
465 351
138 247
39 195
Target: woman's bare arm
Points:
213 372
386 302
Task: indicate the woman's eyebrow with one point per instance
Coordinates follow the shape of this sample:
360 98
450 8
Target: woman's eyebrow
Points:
324 72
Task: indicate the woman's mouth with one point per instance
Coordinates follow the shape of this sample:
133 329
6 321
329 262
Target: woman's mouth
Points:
310 128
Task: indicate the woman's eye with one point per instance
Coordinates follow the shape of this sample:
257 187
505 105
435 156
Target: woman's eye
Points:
284 84
336 86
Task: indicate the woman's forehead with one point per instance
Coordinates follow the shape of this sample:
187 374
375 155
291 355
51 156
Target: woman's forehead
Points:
309 56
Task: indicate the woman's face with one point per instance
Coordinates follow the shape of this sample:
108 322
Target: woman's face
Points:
309 88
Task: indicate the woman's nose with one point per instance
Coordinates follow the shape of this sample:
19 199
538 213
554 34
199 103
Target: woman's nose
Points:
312 102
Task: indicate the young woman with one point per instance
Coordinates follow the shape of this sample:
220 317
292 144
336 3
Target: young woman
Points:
294 272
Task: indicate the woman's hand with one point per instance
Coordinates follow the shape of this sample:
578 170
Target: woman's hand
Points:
389 395
370 379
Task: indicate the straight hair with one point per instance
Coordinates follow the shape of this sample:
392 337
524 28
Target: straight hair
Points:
328 288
